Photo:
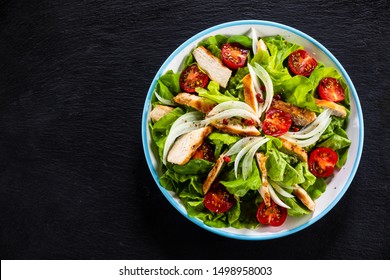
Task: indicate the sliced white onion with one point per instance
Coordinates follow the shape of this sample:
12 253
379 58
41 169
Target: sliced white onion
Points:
255 80
239 145
245 147
188 117
312 128
256 43
269 89
276 198
163 100
247 161
254 40
230 105
280 190
241 154
311 140
234 113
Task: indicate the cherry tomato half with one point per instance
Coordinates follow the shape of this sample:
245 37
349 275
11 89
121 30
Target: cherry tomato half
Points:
191 78
274 215
205 151
276 122
218 199
322 161
301 63
331 90
234 55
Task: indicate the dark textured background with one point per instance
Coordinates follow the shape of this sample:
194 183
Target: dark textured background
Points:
73 180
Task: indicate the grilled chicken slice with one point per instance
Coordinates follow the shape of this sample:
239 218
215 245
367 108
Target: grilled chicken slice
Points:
235 127
264 192
185 146
212 66
250 93
294 150
159 111
199 103
304 197
336 109
213 174
299 116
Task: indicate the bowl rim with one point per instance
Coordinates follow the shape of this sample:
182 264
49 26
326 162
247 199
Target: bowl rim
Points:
167 194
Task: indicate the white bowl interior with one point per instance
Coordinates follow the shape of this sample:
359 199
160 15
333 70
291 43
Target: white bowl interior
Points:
341 180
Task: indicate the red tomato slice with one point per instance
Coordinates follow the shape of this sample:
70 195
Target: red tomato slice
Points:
331 90
218 199
191 78
322 161
205 151
234 55
274 215
276 122
301 63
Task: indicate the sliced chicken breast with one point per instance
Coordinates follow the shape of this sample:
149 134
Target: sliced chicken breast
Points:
294 150
336 109
264 192
250 93
236 128
185 146
299 116
199 103
159 111
212 65
213 174
304 197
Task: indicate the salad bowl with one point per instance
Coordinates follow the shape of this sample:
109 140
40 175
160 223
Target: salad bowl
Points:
337 184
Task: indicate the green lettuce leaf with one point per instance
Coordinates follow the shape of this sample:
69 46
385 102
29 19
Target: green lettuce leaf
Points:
317 189
188 60
214 94
248 205
194 166
163 91
243 40
235 86
308 178
287 170
221 141
225 138
240 186
171 81
214 44
297 208
234 212
299 91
